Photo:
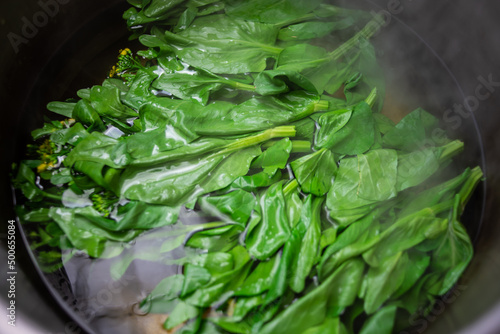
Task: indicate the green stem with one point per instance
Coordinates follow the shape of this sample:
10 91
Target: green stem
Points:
301 146
298 146
442 207
242 86
469 186
321 106
278 132
450 150
367 32
370 100
311 109
266 47
290 187
51 196
296 20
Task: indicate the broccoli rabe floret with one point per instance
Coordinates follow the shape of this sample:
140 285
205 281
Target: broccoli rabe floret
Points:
127 66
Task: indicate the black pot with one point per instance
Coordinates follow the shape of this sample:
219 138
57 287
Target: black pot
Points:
444 57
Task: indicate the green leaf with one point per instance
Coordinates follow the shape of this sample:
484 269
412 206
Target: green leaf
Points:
47 129
25 180
245 305
236 206
415 267
405 233
157 8
180 314
454 253
273 11
332 296
255 181
155 145
329 326
195 85
194 278
62 108
310 224
310 30
416 167
281 279
216 240
80 228
382 281
99 148
275 157
106 101
216 290
221 44
411 132
314 69
236 165
273 230
361 182
72 135
260 279
356 137
329 124
164 296
224 119
354 241
377 175
381 322
315 172
167 184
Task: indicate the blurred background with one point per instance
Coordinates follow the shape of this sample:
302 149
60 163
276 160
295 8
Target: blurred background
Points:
443 56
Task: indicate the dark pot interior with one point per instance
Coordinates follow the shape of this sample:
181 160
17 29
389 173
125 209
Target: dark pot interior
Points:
441 57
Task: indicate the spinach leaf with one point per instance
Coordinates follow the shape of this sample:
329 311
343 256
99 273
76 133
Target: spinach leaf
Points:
177 181
329 124
255 181
411 132
275 157
237 206
360 182
332 296
274 229
315 172
86 114
313 68
329 326
260 279
194 278
274 11
381 322
382 281
99 148
195 85
310 230
221 44
454 252
356 136
106 101
62 108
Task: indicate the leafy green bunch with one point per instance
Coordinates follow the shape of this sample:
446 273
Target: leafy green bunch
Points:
262 118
